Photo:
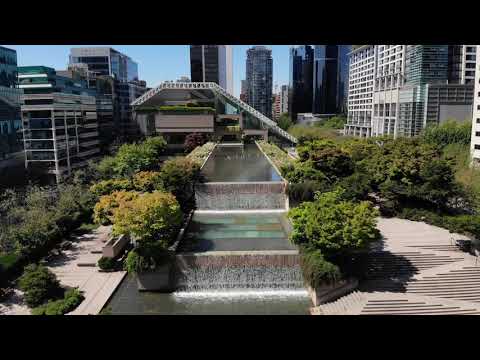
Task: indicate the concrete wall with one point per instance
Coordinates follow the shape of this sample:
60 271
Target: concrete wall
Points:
184 123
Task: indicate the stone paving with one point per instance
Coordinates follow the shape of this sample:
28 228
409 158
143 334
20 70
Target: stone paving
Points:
415 270
97 286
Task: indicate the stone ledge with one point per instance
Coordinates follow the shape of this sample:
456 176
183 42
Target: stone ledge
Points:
330 293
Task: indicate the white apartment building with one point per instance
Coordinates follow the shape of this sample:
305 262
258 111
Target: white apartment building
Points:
378 73
389 78
475 142
361 90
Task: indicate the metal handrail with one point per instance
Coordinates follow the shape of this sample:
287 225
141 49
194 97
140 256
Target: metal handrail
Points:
218 89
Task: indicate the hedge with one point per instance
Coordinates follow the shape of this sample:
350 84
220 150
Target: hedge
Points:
70 301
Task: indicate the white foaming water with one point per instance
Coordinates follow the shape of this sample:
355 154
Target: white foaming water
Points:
242 293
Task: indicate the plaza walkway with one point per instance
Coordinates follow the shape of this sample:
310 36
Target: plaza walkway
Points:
415 269
76 267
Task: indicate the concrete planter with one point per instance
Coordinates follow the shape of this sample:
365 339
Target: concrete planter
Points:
332 292
114 246
158 280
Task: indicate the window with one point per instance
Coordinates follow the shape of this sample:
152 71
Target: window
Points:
477 147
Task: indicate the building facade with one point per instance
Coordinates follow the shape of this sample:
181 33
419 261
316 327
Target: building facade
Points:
284 99
325 80
59 120
414 86
10 102
212 63
343 68
259 70
475 142
301 80
114 77
360 91
105 61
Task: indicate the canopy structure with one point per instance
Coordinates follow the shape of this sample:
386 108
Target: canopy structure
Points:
202 90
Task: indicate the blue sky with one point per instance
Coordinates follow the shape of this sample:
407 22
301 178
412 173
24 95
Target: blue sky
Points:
156 63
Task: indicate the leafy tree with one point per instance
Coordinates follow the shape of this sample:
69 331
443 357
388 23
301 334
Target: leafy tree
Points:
178 177
150 217
335 122
327 157
344 227
284 121
105 208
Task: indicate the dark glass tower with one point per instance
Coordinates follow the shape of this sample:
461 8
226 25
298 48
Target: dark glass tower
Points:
301 80
259 79
343 66
204 64
325 79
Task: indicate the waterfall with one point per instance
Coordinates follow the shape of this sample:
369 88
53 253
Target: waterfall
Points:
279 271
240 196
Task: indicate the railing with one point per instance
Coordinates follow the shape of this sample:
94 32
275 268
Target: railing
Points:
218 89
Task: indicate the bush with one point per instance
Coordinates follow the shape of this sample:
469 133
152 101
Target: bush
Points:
106 263
192 141
71 300
147 181
200 154
334 226
133 158
39 284
309 133
106 187
316 270
450 132
279 157
149 217
462 224
104 210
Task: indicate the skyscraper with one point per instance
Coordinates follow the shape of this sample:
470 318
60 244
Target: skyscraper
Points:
343 68
105 61
259 79
325 80
244 91
475 142
115 75
284 99
212 63
301 80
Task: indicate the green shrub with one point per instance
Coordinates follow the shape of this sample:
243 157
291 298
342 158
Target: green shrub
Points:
200 153
316 270
70 301
147 181
106 187
450 132
106 263
104 210
279 157
39 284
334 226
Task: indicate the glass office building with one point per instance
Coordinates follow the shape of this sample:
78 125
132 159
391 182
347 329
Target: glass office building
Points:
325 80
259 68
10 101
301 80
105 61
